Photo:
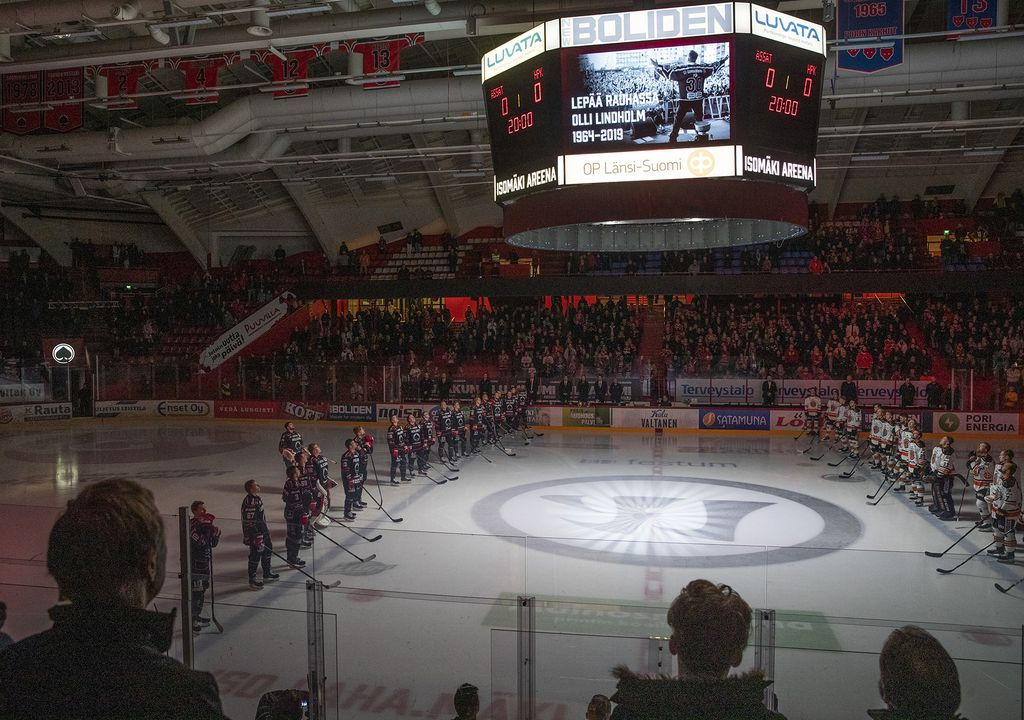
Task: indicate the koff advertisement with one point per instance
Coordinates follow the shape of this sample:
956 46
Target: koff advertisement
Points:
32 413
655 418
586 416
235 339
724 418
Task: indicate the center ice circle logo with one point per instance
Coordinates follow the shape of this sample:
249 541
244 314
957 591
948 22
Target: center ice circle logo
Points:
664 520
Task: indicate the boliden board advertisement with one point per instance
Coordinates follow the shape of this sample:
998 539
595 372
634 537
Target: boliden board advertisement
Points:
352 412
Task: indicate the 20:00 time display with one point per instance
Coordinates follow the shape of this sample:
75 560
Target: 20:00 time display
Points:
784 106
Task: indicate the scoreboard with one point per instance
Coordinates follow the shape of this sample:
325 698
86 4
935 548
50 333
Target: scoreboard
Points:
721 90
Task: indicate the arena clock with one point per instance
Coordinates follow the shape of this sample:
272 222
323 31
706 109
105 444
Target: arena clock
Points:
722 90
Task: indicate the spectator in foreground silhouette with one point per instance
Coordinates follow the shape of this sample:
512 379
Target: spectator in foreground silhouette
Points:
918 678
710 626
467 702
104 656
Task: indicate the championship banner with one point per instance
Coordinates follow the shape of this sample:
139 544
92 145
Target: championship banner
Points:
25 88
245 332
58 86
970 14
384 57
117 81
199 75
863 21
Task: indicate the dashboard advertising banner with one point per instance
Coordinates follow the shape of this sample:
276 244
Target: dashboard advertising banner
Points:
184 408
734 419
983 423
123 408
586 417
32 413
248 409
21 392
655 418
352 412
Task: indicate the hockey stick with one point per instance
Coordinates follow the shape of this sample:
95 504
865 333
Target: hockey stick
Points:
872 496
815 438
828 449
213 601
434 480
368 558
975 554
1004 590
355 532
334 584
892 484
504 449
846 456
380 502
851 471
802 433
940 554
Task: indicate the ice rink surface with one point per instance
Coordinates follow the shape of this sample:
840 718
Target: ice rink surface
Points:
601 528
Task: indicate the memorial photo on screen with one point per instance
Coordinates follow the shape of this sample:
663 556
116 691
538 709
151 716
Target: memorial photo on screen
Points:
648 95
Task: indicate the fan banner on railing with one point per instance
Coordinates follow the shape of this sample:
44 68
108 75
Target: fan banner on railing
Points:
201 73
23 88
58 86
384 57
970 14
115 82
863 22
245 332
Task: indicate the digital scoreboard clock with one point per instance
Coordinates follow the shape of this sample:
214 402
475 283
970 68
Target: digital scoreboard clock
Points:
721 90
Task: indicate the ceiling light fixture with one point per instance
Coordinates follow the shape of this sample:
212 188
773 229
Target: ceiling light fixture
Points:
432 6
277 53
259 20
183 22
983 152
38 107
5 48
372 79
870 158
464 72
77 34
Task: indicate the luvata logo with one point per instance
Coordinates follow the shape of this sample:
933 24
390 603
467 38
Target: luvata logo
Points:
788 29
725 419
518 49
679 521
302 411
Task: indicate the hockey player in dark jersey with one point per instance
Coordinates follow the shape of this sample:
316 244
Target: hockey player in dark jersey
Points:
203 537
321 467
417 433
397 445
351 476
445 434
296 497
459 430
290 443
476 423
256 535
364 444
490 431
690 79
